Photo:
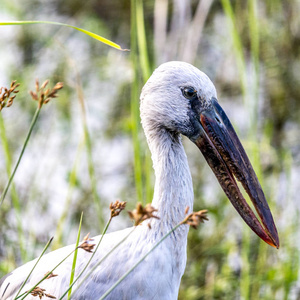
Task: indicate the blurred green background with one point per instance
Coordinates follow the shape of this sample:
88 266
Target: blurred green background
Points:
87 148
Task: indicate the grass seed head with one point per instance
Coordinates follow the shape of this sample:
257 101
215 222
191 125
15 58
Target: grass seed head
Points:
86 245
116 208
39 292
6 97
186 210
140 213
50 275
43 96
195 218
44 84
37 88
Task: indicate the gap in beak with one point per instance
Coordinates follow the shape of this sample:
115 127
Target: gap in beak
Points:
248 200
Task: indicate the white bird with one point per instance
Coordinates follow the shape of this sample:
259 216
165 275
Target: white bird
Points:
178 99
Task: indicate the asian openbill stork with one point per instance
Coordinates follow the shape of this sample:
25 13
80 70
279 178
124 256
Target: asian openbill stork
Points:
178 99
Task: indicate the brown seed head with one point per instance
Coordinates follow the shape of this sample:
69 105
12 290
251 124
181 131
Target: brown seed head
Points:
10 102
195 218
33 95
86 245
50 296
44 96
6 100
186 210
50 275
37 88
116 208
58 86
39 292
140 213
44 84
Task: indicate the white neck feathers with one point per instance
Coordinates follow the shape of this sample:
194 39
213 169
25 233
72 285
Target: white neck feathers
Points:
173 185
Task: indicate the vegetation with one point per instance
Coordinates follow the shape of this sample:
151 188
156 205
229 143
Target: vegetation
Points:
87 148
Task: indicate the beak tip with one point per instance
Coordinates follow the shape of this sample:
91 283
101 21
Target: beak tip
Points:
274 242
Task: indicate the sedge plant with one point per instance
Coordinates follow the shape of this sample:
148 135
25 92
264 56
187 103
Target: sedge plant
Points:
42 96
193 219
115 210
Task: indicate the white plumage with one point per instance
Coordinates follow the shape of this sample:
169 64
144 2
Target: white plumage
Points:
166 113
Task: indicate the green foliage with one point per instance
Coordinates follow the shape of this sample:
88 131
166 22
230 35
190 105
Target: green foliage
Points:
250 49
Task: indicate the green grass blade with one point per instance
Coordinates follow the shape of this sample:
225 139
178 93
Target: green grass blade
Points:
71 285
142 40
75 258
146 71
34 119
25 294
72 183
103 258
129 271
237 46
92 173
141 66
14 195
134 108
254 39
43 252
91 34
89 149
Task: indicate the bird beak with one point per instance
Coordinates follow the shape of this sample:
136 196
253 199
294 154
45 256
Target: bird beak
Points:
227 158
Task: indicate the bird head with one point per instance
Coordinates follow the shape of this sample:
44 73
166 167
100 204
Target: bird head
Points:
181 99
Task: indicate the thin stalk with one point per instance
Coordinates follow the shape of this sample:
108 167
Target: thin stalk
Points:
75 257
72 183
129 271
87 140
88 143
91 34
35 117
91 169
43 252
102 259
254 39
134 107
25 294
14 195
245 271
259 270
142 40
237 47
146 72
103 233
4 142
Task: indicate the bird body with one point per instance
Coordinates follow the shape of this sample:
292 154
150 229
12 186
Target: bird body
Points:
159 270
171 102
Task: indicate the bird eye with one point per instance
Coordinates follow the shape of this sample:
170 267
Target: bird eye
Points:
189 92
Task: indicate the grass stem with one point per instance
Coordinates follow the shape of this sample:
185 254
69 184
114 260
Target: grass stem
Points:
75 258
25 294
34 119
87 264
129 271
43 252
102 259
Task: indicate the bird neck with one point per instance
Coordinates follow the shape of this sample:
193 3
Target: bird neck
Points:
173 190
